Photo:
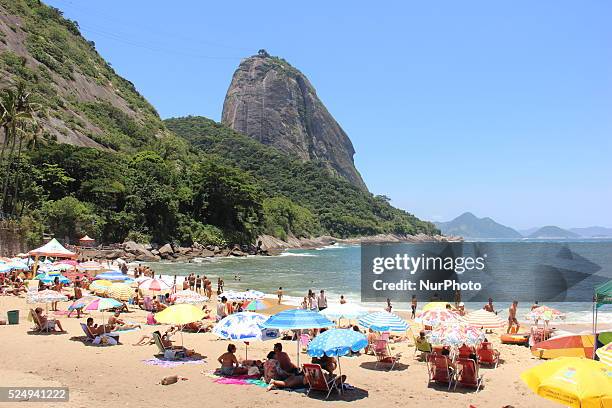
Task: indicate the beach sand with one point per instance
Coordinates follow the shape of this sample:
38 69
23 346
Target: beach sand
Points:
116 375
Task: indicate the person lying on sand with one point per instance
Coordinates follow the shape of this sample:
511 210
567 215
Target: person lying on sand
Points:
200 326
298 381
46 323
229 363
119 324
147 339
97 330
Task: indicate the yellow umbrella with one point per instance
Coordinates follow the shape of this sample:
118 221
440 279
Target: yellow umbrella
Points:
120 291
435 305
100 286
572 381
180 314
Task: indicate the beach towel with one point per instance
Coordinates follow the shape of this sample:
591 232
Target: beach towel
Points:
236 380
160 362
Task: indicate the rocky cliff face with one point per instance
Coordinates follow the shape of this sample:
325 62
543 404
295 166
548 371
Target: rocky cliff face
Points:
273 102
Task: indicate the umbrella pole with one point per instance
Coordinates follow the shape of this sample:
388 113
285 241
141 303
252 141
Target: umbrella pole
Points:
340 370
297 341
246 352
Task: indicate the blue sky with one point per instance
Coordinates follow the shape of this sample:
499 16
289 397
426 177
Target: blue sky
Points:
499 108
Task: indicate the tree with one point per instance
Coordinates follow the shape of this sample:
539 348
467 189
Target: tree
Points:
71 219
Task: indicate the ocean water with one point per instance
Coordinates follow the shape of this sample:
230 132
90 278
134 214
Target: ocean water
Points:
337 270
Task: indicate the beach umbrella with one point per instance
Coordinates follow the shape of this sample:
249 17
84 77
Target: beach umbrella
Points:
188 296
155 285
46 296
349 311
484 319
59 267
435 305
572 382
18 265
297 319
5 267
254 294
102 304
48 278
90 266
255 305
100 287
70 262
383 322
180 315
337 343
605 354
113 276
82 302
120 291
233 295
455 335
545 313
246 327
136 283
434 317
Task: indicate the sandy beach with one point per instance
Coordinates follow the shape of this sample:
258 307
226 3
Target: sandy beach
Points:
98 376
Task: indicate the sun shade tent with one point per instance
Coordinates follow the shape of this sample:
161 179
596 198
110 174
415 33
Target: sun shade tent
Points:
52 248
86 241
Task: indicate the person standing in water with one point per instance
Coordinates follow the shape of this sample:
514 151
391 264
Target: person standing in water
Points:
389 307
512 317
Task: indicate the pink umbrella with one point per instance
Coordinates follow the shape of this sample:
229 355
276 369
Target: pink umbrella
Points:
155 285
435 317
70 262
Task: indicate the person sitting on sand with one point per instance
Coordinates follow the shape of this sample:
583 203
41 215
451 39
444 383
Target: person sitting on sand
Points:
157 305
283 360
46 323
119 324
229 363
327 363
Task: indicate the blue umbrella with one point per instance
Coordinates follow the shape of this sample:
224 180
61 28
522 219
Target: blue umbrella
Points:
113 276
294 319
244 326
47 279
297 319
384 321
5 268
336 343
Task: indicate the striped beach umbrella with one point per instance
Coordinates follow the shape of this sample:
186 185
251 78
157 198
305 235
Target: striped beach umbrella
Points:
82 302
484 319
120 291
102 304
605 354
155 285
100 287
294 319
256 305
435 317
545 313
435 305
383 322
90 266
455 334
113 276
48 278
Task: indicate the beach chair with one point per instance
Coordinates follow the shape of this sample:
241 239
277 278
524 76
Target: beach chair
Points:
422 346
147 304
467 374
304 341
487 354
170 352
38 327
385 336
383 355
315 378
466 351
438 369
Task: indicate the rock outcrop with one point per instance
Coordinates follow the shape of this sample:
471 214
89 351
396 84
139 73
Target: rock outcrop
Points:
271 101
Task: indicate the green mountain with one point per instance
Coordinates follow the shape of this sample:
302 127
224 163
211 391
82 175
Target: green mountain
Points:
82 152
551 231
341 208
467 225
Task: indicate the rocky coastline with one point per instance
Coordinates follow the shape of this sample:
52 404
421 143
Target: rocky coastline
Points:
267 245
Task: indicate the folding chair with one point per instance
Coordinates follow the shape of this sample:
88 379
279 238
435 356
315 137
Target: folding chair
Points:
315 378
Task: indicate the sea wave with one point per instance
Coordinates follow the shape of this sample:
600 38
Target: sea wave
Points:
297 254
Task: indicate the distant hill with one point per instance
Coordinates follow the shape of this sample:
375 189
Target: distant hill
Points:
551 231
593 232
468 225
528 231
